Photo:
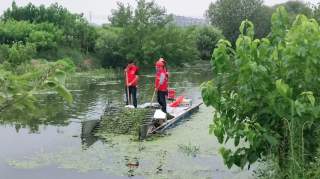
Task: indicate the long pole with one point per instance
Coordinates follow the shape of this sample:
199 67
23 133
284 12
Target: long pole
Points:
154 93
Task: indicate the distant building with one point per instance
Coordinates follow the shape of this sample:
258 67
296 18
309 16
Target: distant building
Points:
189 21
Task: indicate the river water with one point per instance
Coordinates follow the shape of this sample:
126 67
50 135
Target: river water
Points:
47 143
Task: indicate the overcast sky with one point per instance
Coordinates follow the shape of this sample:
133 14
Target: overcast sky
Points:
100 9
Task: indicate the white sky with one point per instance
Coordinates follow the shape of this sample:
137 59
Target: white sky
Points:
101 9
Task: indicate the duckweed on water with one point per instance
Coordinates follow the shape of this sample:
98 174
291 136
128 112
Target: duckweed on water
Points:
122 121
68 158
189 150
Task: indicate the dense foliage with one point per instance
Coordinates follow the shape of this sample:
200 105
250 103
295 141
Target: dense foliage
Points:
26 34
77 33
42 37
228 14
20 83
207 39
265 92
145 34
316 12
53 31
296 7
108 46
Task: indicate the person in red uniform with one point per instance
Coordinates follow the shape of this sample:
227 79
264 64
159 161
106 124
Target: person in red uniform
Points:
131 77
161 85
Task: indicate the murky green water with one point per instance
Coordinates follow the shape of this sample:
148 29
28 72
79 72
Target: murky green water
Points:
49 145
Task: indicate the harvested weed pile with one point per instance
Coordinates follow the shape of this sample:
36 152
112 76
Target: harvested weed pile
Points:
124 120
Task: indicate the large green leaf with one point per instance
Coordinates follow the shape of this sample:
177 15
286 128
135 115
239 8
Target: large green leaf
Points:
64 93
310 96
60 76
51 83
283 89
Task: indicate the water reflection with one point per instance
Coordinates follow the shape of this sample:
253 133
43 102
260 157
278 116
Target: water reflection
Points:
50 111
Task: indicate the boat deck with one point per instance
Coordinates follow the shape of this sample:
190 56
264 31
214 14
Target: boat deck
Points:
178 113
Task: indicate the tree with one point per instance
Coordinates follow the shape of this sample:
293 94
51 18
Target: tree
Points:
316 12
228 15
122 16
20 84
207 39
265 93
19 53
147 34
12 31
262 20
148 17
76 30
176 44
108 47
44 36
294 8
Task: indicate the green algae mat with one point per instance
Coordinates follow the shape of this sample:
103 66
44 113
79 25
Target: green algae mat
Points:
123 121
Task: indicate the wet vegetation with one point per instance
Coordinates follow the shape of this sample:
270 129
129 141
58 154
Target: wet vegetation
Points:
123 120
189 150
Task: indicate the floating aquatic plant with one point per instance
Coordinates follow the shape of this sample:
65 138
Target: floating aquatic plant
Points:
122 121
190 150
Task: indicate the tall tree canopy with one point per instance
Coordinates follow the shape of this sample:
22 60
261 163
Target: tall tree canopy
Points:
77 31
145 33
296 7
207 39
316 12
228 15
122 16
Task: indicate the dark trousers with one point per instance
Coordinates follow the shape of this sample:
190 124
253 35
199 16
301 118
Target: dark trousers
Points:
162 100
132 95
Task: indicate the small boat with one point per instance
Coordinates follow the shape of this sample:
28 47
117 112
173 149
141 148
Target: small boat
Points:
88 126
150 125
179 113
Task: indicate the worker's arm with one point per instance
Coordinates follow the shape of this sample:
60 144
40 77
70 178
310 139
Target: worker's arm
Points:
134 80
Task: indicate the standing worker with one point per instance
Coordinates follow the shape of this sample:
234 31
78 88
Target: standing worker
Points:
170 92
161 85
131 77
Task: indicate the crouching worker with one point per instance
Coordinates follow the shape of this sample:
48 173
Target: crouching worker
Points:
131 77
161 86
